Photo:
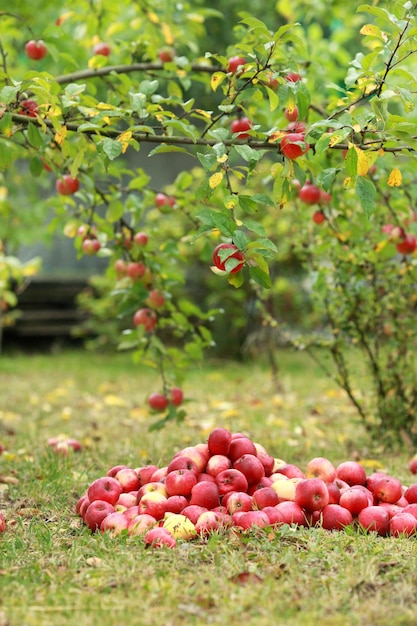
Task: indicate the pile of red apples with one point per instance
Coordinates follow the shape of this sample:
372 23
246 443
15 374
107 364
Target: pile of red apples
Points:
232 482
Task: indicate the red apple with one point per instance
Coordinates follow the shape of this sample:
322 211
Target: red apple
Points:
128 479
36 50
115 523
175 504
318 217
228 258
320 467
28 108
183 462
408 245
159 538
102 49
290 471
376 519
96 512
145 473
335 517
251 468
234 65
66 185
411 493
219 441
248 519
388 489
176 396
155 299
239 446
231 480
239 126
157 402
412 465
140 524
199 454
237 501
218 463
91 245
140 238
334 492
351 472
291 513
291 113
159 475
105 488
83 507
265 497
2 523
151 487
210 521
166 55
153 504
292 77
135 270
354 500
373 479
311 494
180 482
410 508
392 509
309 194
267 461
193 512
80 503
403 524
145 317
293 145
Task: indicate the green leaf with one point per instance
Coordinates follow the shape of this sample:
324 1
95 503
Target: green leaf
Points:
208 161
36 166
112 148
34 136
236 280
248 204
351 162
259 276
365 190
240 239
247 153
114 211
167 148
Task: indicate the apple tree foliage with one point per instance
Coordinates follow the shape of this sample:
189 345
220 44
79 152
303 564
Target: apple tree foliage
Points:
345 73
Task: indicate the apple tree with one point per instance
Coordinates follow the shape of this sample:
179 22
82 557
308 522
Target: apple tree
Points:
297 133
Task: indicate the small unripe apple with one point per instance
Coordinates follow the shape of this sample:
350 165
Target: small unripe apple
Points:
140 238
166 55
91 245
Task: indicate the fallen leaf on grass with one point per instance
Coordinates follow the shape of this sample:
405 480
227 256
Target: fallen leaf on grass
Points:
93 561
9 480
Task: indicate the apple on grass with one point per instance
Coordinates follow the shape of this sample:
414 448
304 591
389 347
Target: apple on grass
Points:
311 494
237 501
179 526
410 493
153 486
96 512
292 513
249 519
145 473
219 441
211 521
180 482
388 489
183 462
375 519
403 524
412 465
126 500
105 488
153 504
2 523
193 512
231 480
251 467
175 504
335 517
140 524
128 479
115 523
218 463
264 497
290 470
354 500
239 446
199 455
159 537
285 489
320 467
205 494
351 472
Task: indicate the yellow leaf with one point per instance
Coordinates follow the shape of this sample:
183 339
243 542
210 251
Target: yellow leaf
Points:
222 159
395 178
215 180
347 181
167 33
60 136
124 138
371 30
204 113
106 119
381 245
104 106
216 79
363 163
113 400
153 17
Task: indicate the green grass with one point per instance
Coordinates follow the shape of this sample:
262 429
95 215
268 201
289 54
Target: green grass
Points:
54 571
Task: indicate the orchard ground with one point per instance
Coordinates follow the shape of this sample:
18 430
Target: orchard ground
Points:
53 570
